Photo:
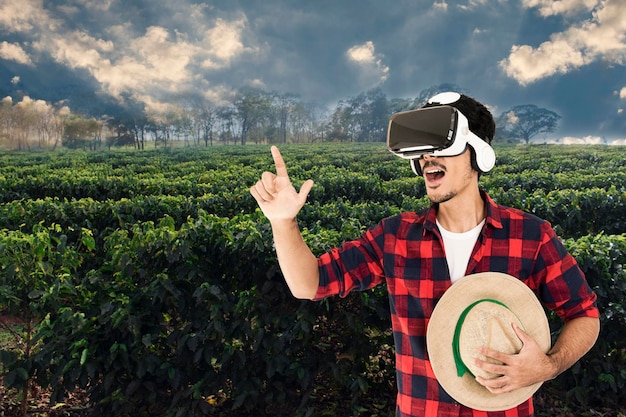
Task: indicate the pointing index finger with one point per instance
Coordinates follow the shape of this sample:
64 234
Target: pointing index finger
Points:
281 168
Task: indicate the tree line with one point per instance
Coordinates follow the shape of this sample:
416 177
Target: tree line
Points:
249 115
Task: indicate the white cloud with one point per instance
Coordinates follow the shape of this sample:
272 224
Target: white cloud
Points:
583 140
601 37
147 63
149 66
472 4
440 5
371 66
23 16
511 117
526 64
586 140
622 93
100 5
14 52
37 105
77 50
223 42
560 7
15 80
163 59
362 53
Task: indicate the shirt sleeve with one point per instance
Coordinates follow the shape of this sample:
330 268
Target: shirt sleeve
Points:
562 285
355 265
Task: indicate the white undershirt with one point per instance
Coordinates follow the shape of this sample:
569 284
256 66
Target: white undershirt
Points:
459 248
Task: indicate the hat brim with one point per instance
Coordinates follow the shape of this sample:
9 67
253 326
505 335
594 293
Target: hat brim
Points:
440 333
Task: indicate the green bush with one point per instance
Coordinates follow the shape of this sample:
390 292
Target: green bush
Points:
35 274
599 378
153 283
177 317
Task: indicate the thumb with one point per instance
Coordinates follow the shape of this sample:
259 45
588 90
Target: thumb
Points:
523 336
305 189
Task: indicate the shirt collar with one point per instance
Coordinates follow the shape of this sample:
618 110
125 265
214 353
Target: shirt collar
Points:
493 214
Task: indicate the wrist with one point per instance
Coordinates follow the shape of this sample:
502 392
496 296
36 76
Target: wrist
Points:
286 224
553 367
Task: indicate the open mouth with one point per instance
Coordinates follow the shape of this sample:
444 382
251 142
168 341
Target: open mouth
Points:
434 174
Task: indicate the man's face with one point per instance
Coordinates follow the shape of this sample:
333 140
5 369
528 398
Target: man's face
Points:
448 176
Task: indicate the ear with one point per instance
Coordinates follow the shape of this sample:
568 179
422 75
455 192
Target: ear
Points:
475 166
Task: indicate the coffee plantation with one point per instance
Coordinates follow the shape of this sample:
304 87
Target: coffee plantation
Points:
148 280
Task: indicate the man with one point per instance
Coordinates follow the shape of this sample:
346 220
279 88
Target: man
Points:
420 255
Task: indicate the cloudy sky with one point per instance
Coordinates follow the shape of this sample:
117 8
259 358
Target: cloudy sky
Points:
568 56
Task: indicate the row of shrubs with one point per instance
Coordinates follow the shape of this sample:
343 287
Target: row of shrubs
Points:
149 279
354 172
194 319
573 212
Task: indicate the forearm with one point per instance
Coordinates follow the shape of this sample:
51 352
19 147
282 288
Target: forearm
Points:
531 365
576 338
297 262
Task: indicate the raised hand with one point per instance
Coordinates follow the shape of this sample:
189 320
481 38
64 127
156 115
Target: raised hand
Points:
275 195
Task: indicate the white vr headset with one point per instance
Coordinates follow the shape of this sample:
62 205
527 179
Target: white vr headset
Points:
438 131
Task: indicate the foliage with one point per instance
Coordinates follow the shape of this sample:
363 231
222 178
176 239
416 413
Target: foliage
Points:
600 376
152 283
36 274
79 132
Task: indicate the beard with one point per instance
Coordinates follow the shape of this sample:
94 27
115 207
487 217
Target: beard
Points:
438 199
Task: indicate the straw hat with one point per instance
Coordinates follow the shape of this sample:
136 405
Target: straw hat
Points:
477 311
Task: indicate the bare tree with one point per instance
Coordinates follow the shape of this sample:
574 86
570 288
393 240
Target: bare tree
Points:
6 120
285 107
204 119
25 118
226 123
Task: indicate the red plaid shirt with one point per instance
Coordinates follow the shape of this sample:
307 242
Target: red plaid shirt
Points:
407 252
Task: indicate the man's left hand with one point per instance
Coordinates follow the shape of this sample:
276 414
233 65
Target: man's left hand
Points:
530 366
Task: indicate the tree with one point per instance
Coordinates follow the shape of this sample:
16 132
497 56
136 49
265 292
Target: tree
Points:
132 115
362 118
253 105
376 112
80 132
397 105
205 118
6 120
25 118
526 121
429 92
285 106
306 122
226 123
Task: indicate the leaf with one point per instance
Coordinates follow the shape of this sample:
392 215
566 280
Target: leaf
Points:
83 356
